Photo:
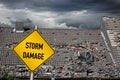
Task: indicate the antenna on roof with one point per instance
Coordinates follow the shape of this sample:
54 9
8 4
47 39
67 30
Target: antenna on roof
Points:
36 27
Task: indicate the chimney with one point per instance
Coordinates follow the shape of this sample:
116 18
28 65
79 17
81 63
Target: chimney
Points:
19 27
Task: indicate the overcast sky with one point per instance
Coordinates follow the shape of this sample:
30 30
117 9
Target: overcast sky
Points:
83 14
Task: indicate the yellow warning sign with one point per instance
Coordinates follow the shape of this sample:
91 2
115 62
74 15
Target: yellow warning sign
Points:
33 50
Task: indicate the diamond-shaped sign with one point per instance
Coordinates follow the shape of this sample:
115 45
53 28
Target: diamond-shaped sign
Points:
33 50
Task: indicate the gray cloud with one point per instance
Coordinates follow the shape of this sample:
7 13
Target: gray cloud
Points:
59 13
111 6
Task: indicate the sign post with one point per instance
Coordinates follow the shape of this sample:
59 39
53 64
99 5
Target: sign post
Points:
31 76
33 50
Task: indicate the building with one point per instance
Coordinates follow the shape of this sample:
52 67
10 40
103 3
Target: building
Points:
111 28
79 53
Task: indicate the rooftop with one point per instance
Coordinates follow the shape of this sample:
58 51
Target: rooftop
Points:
79 53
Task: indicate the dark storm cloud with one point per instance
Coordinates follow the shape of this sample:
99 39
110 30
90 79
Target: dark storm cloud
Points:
108 6
59 13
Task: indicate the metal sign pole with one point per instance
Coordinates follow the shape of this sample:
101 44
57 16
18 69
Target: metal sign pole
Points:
31 75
